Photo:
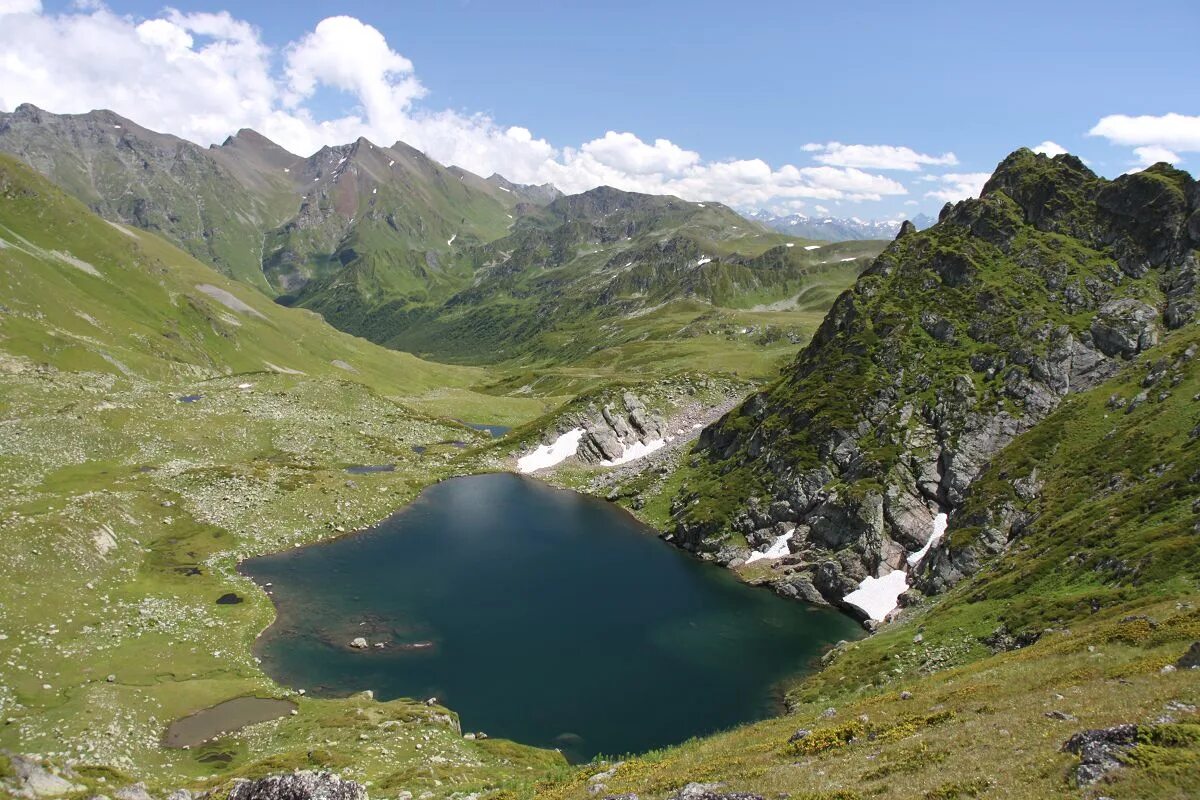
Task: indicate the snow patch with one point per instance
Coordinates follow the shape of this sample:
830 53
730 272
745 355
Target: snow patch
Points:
704 260
812 247
635 451
939 528
78 263
790 244
390 163
122 229
228 300
550 454
282 370
778 548
851 258
450 241
878 597
375 191
501 188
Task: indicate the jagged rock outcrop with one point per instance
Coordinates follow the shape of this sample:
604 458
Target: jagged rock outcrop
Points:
955 341
299 786
616 428
1100 751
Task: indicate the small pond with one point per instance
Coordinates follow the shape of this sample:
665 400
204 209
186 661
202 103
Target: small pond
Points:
495 430
224 718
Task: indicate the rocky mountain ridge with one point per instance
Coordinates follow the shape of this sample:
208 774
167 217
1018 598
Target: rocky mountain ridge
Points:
955 341
263 215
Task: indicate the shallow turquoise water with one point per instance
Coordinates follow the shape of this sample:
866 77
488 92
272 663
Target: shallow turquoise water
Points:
539 615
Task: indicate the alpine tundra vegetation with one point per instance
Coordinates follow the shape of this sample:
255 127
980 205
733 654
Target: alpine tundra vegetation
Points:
694 478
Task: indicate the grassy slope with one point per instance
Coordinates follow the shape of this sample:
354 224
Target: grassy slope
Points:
93 443
1105 576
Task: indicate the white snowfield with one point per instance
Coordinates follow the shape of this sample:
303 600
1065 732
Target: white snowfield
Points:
703 261
812 247
878 597
550 454
635 451
939 528
778 548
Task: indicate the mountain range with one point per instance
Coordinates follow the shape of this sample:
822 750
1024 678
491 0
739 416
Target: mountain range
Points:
835 229
388 244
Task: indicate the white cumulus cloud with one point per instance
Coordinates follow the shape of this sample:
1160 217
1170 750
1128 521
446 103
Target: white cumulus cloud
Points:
1153 138
203 76
955 186
20 7
1152 154
1049 148
876 156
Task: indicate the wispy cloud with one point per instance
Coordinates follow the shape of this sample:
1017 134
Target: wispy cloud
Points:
956 186
876 156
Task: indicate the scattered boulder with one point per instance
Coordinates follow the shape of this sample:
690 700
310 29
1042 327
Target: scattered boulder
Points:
1190 659
1100 751
135 792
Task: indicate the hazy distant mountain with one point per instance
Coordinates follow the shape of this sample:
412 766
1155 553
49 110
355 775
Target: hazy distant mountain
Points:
835 229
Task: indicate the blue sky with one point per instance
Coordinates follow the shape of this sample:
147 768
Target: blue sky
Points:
739 83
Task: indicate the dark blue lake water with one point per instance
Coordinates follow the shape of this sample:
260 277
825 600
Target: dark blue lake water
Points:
539 615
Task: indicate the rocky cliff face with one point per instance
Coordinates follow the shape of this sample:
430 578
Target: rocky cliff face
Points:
617 429
955 341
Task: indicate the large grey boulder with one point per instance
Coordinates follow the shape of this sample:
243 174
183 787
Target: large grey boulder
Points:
32 780
299 786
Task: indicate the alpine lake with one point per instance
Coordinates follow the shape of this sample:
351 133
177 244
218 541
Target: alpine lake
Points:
539 615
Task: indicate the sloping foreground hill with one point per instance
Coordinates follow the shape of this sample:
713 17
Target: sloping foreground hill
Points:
1088 618
82 294
159 422
954 342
